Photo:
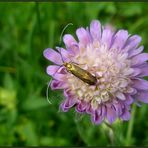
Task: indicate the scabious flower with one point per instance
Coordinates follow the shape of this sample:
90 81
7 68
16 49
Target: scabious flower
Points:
114 58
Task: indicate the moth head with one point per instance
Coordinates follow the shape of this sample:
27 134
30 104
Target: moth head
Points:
68 66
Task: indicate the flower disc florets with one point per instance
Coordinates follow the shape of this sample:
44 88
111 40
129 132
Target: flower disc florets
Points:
114 59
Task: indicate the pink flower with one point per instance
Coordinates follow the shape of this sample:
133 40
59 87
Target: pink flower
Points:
114 59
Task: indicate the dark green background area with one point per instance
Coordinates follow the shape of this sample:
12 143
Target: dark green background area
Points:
26 118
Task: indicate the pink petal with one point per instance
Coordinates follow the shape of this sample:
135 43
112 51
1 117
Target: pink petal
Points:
129 100
68 93
69 40
118 108
53 56
140 84
74 49
120 96
83 36
132 42
95 29
107 37
89 109
137 71
144 70
96 118
55 84
111 114
142 96
103 110
52 69
126 115
120 39
139 59
67 104
71 44
81 107
64 54
59 77
135 51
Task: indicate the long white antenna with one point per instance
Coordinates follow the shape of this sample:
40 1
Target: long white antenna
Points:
64 30
48 85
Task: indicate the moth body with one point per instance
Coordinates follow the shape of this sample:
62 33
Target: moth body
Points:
80 73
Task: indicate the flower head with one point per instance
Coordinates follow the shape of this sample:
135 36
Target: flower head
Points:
114 59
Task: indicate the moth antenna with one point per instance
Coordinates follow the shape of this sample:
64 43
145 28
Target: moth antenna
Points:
59 51
63 31
48 85
57 70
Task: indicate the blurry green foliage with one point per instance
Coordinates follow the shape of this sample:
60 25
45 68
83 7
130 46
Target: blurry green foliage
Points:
26 118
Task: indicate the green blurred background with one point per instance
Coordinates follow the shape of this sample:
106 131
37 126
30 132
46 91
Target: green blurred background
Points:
26 118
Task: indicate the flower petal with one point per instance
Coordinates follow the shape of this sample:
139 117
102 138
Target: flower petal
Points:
71 44
137 72
130 90
135 51
129 100
95 30
96 118
59 77
107 35
126 115
120 39
132 42
53 56
139 59
118 108
111 114
55 84
52 69
81 107
140 84
142 96
144 70
68 93
64 54
120 96
89 109
83 36
69 40
67 104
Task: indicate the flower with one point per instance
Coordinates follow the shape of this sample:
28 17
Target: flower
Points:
117 62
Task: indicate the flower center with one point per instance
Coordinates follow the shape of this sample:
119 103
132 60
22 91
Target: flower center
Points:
112 70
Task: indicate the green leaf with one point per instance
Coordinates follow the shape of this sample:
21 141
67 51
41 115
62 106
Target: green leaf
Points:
34 102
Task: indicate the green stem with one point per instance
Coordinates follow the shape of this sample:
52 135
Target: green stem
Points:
128 140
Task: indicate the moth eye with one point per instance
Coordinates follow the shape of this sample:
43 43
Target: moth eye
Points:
69 66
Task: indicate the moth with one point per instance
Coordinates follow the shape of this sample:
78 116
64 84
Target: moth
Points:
80 73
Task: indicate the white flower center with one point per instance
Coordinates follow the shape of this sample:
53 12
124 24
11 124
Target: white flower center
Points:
112 70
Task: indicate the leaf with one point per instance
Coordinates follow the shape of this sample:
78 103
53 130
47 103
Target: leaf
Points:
26 131
130 10
34 102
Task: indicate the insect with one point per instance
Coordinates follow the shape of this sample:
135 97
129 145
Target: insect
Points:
80 73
